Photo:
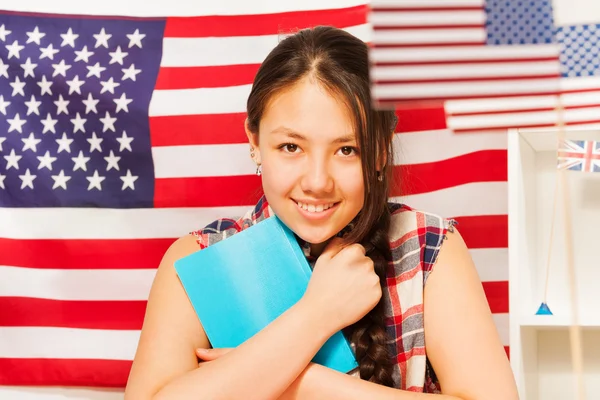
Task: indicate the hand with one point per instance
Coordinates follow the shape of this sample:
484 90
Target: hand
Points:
211 354
344 286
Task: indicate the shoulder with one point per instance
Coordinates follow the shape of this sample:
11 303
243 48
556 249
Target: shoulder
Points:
418 232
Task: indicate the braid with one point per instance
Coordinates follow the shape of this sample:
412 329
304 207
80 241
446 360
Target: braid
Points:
369 333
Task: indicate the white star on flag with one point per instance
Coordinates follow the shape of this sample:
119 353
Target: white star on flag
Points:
83 54
49 123
3 33
17 86
130 73
12 160
61 105
16 123
60 180
3 69
14 49
109 86
135 39
60 69
80 161
112 161
27 179
95 143
122 103
64 143
35 36
48 52
90 104
125 142
2 139
108 122
46 161
28 68
95 70
102 39
128 181
78 123
2 178
68 38
95 181
45 85
3 105
117 56
33 106
31 143
75 85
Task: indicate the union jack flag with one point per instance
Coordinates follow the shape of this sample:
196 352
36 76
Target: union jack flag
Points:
579 155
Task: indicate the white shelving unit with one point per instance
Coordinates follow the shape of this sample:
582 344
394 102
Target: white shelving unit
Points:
540 345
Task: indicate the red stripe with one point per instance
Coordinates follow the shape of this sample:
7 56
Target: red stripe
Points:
81 16
477 79
497 296
504 127
507 350
424 27
480 166
25 311
263 24
470 61
484 231
219 191
63 372
198 129
421 119
205 77
508 112
83 253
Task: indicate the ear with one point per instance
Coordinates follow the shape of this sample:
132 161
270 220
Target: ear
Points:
253 140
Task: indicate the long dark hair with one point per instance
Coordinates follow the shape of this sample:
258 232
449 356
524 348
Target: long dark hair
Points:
339 62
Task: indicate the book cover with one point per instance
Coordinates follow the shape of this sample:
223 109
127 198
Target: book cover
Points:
239 285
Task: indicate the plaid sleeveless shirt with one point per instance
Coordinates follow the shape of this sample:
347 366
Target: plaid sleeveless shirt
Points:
415 240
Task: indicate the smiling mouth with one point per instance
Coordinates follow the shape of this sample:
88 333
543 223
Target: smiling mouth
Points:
311 208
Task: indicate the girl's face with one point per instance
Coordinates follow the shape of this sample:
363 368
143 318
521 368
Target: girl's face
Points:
311 169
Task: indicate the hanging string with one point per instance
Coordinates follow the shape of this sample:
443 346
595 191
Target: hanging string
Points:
552 220
574 328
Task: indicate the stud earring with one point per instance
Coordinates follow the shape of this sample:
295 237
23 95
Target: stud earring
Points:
252 152
379 176
259 170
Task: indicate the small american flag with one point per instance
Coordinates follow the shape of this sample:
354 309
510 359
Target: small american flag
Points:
579 155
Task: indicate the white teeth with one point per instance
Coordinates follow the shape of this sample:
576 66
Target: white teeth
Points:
314 209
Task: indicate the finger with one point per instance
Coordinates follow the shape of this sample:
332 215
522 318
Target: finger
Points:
211 354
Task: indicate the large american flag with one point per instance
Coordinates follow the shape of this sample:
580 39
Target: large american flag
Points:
120 134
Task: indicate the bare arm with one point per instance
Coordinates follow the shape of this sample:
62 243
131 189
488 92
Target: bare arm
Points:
262 368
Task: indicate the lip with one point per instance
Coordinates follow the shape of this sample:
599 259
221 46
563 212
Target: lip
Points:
314 215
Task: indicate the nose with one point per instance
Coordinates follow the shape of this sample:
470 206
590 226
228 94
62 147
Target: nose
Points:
317 177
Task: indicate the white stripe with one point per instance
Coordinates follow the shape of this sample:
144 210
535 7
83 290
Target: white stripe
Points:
86 223
431 18
213 51
484 198
42 342
499 104
199 101
584 82
76 284
159 8
448 89
59 393
502 324
463 53
579 99
202 160
474 70
490 121
427 3
426 36
416 147
492 264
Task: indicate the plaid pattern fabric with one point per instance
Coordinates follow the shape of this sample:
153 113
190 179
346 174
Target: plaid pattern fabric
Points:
415 240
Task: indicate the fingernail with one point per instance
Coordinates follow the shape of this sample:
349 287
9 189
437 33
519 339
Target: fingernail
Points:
202 351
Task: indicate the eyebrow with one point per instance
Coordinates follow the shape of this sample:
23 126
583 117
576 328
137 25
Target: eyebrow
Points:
295 135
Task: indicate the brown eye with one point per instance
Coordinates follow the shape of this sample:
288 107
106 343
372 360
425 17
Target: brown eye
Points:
291 148
347 150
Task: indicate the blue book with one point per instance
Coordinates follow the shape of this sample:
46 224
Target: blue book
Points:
241 284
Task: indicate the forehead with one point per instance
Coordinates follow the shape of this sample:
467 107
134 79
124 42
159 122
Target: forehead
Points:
308 108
